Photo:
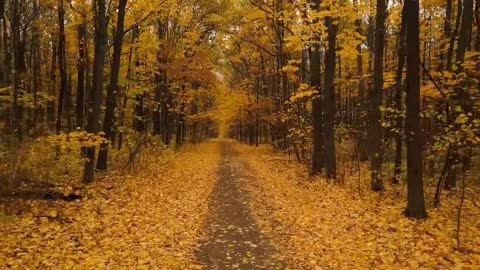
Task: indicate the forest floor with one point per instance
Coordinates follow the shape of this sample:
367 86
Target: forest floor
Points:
222 205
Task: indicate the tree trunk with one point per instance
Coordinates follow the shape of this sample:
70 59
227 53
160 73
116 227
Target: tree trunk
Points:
81 69
453 36
62 66
415 195
399 97
464 33
375 101
477 21
36 68
124 95
18 71
257 112
139 121
68 103
7 53
360 105
112 92
329 102
96 92
447 31
161 80
318 154
180 123
166 117
53 82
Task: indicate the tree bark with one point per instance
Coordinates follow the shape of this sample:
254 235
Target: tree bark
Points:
96 92
112 92
465 30
477 21
453 36
180 123
359 119
161 80
7 57
18 70
398 98
81 69
447 31
415 194
53 82
329 101
374 130
62 66
36 66
318 154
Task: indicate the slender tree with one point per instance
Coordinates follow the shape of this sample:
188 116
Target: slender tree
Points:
95 98
375 101
112 92
329 100
4 60
360 106
399 89
81 70
477 22
61 65
18 68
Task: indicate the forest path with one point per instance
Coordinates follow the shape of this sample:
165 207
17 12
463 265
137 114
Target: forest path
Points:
234 241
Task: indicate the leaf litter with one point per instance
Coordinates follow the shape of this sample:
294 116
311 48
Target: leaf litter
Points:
158 219
320 225
149 220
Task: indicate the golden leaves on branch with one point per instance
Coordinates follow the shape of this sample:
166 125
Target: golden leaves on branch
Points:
77 139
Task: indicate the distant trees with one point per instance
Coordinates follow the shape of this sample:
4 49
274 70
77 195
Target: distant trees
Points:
55 57
321 80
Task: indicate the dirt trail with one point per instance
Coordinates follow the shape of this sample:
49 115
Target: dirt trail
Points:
234 240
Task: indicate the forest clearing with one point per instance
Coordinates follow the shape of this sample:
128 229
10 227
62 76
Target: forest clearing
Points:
239 134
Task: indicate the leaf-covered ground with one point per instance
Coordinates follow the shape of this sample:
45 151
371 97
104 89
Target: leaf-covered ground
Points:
239 208
150 220
324 226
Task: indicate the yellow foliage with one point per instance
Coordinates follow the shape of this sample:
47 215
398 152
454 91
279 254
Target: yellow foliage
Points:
304 91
